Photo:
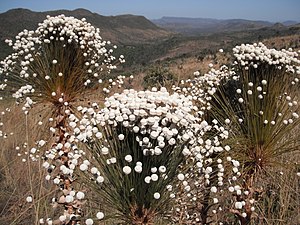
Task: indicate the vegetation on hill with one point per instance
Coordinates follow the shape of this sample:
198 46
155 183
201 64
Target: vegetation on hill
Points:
141 41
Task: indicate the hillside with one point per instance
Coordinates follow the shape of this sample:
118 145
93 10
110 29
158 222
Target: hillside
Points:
142 42
122 30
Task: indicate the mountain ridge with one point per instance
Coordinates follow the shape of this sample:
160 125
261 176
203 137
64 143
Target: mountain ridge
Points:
112 27
196 26
121 30
143 42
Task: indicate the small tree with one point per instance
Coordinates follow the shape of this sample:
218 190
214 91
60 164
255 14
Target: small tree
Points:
158 76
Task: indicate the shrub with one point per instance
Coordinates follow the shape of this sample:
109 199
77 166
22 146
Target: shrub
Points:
159 76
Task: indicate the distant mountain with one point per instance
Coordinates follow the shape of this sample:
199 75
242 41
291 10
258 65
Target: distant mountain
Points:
290 22
123 29
195 26
141 41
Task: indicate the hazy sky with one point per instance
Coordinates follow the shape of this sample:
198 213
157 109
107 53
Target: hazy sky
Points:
272 10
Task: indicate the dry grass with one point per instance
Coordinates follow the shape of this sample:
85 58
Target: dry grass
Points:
281 205
20 179
292 41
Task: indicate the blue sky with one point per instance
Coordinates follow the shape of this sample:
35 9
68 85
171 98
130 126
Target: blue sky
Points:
271 10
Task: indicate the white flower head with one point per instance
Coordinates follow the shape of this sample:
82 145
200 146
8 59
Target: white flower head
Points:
126 169
29 199
89 222
100 215
156 195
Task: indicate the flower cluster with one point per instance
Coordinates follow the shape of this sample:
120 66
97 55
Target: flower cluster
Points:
156 114
206 178
58 60
146 139
266 91
202 87
259 107
139 139
255 54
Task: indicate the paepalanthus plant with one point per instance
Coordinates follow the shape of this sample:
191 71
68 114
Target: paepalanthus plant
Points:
57 62
137 140
147 146
216 176
56 65
259 106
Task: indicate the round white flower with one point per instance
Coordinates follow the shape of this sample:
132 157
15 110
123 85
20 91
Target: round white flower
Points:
156 195
99 135
121 137
231 189
83 167
94 170
100 215
62 218
213 189
227 121
154 177
162 169
89 222
69 198
147 179
100 179
104 150
180 176
238 205
80 195
235 163
128 158
29 199
126 169
138 169
227 148
56 180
